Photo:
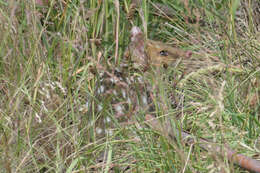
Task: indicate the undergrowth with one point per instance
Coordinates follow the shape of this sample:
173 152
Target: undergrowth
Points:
56 54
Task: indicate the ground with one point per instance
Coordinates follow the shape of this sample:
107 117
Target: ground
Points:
62 60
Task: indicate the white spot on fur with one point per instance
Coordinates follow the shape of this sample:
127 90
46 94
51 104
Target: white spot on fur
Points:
128 80
115 92
144 99
109 132
140 79
107 120
99 130
101 89
100 107
114 80
119 109
123 93
129 100
46 93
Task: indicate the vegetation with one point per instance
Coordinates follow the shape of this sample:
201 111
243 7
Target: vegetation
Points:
54 58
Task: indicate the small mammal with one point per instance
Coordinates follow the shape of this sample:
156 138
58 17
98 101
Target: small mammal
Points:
145 53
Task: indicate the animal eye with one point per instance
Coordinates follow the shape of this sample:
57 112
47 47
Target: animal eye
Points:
164 53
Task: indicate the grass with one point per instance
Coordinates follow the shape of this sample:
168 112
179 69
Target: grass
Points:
58 116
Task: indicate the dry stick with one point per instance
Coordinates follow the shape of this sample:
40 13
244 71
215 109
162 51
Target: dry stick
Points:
239 159
117 29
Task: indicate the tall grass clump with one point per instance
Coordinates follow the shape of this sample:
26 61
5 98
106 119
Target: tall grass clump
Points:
67 104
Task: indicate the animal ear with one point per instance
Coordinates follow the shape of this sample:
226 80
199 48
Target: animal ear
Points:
135 31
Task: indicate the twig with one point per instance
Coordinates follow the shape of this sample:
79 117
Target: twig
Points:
239 159
117 29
